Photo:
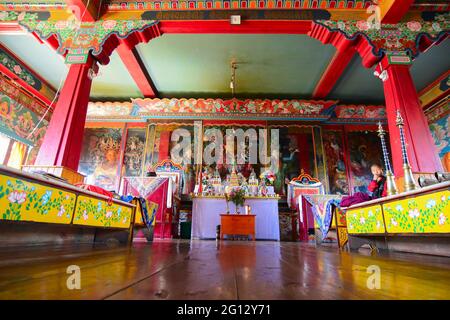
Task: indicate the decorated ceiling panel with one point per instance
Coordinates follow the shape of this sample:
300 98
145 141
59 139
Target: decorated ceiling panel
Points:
114 82
41 58
430 65
193 65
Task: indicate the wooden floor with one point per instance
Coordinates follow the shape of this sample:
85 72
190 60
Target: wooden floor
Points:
232 270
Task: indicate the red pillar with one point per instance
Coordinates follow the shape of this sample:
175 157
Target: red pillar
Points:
400 93
63 139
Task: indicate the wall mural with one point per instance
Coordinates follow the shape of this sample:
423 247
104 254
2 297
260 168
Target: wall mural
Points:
334 153
134 152
361 112
440 130
230 106
364 150
100 156
18 123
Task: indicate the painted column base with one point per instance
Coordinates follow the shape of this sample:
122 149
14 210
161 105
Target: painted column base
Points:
71 176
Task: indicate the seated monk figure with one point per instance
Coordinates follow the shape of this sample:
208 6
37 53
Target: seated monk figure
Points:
378 185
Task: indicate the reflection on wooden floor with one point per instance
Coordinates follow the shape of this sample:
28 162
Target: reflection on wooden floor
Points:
234 270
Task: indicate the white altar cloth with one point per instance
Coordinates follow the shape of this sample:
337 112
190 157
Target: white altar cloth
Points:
206 213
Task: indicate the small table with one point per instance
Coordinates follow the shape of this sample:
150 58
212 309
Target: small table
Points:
237 224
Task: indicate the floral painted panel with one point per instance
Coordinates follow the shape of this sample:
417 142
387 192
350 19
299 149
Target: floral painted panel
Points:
365 220
233 106
427 213
21 200
440 130
391 37
99 213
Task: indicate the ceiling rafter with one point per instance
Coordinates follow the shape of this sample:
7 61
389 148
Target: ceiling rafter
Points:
392 11
133 62
333 72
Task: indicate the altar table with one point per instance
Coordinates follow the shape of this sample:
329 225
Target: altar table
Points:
206 213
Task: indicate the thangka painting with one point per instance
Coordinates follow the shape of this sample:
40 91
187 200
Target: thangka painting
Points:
134 152
334 153
22 124
440 131
364 150
100 156
188 173
296 153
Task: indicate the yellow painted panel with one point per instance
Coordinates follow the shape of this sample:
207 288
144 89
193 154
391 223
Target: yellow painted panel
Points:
424 214
365 220
98 213
21 200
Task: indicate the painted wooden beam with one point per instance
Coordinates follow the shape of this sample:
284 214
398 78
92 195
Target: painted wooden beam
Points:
133 62
333 72
392 11
46 93
435 91
85 10
247 26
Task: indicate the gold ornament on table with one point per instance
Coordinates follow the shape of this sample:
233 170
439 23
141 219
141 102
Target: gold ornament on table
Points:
390 178
408 181
234 179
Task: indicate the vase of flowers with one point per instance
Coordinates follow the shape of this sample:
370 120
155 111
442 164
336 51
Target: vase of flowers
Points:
237 196
268 177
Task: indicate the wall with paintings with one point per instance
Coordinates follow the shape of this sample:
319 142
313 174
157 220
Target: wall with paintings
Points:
440 130
349 155
333 142
22 117
364 149
133 161
340 158
100 156
297 153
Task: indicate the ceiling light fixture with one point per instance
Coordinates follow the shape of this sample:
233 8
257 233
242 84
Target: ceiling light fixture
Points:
233 77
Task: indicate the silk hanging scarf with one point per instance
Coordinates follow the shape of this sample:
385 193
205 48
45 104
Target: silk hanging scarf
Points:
148 212
322 208
154 191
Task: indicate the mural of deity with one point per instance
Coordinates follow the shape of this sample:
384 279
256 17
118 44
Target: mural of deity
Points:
334 152
364 150
134 152
440 132
100 156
